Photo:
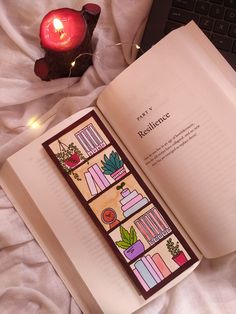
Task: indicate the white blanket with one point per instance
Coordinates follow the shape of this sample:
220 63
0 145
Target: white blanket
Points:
28 283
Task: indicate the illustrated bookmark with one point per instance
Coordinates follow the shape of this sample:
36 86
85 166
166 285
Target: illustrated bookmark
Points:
138 230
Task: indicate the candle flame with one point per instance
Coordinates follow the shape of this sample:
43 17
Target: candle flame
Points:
58 25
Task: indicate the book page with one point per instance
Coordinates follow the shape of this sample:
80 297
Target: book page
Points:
42 233
174 109
76 233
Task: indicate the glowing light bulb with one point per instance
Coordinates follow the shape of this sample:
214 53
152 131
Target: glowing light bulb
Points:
33 124
73 63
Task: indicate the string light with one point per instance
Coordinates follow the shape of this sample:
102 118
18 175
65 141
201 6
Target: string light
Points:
76 58
32 124
35 124
73 63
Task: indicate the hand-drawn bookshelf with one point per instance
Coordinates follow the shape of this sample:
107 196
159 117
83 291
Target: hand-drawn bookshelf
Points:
133 222
90 139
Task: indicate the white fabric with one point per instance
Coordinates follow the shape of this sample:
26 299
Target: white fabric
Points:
28 283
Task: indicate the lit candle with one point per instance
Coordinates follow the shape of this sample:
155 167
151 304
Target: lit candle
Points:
62 30
66 33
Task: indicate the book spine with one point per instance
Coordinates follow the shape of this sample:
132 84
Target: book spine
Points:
150 269
141 227
83 140
132 202
90 183
141 280
101 175
162 223
90 139
156 269
151 222
97 138
154 222
161 265
136 207
147 225
96 178
128 197
144 272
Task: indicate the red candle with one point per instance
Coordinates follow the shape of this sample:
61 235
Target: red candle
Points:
66 34
62 30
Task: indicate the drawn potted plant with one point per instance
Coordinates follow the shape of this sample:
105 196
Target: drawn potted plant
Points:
113 166
129 242
124 192
69 157
177 255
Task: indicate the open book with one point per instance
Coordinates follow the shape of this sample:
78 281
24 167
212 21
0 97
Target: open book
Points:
127 197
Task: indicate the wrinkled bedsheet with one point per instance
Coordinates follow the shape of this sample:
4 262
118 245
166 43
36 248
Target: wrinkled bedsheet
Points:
28 282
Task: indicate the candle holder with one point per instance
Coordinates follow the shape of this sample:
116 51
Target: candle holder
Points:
65 36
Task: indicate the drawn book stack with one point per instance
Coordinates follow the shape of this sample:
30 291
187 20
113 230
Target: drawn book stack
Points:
127 197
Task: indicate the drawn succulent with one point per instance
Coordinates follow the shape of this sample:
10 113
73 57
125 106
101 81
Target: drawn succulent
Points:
111 163
128 238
